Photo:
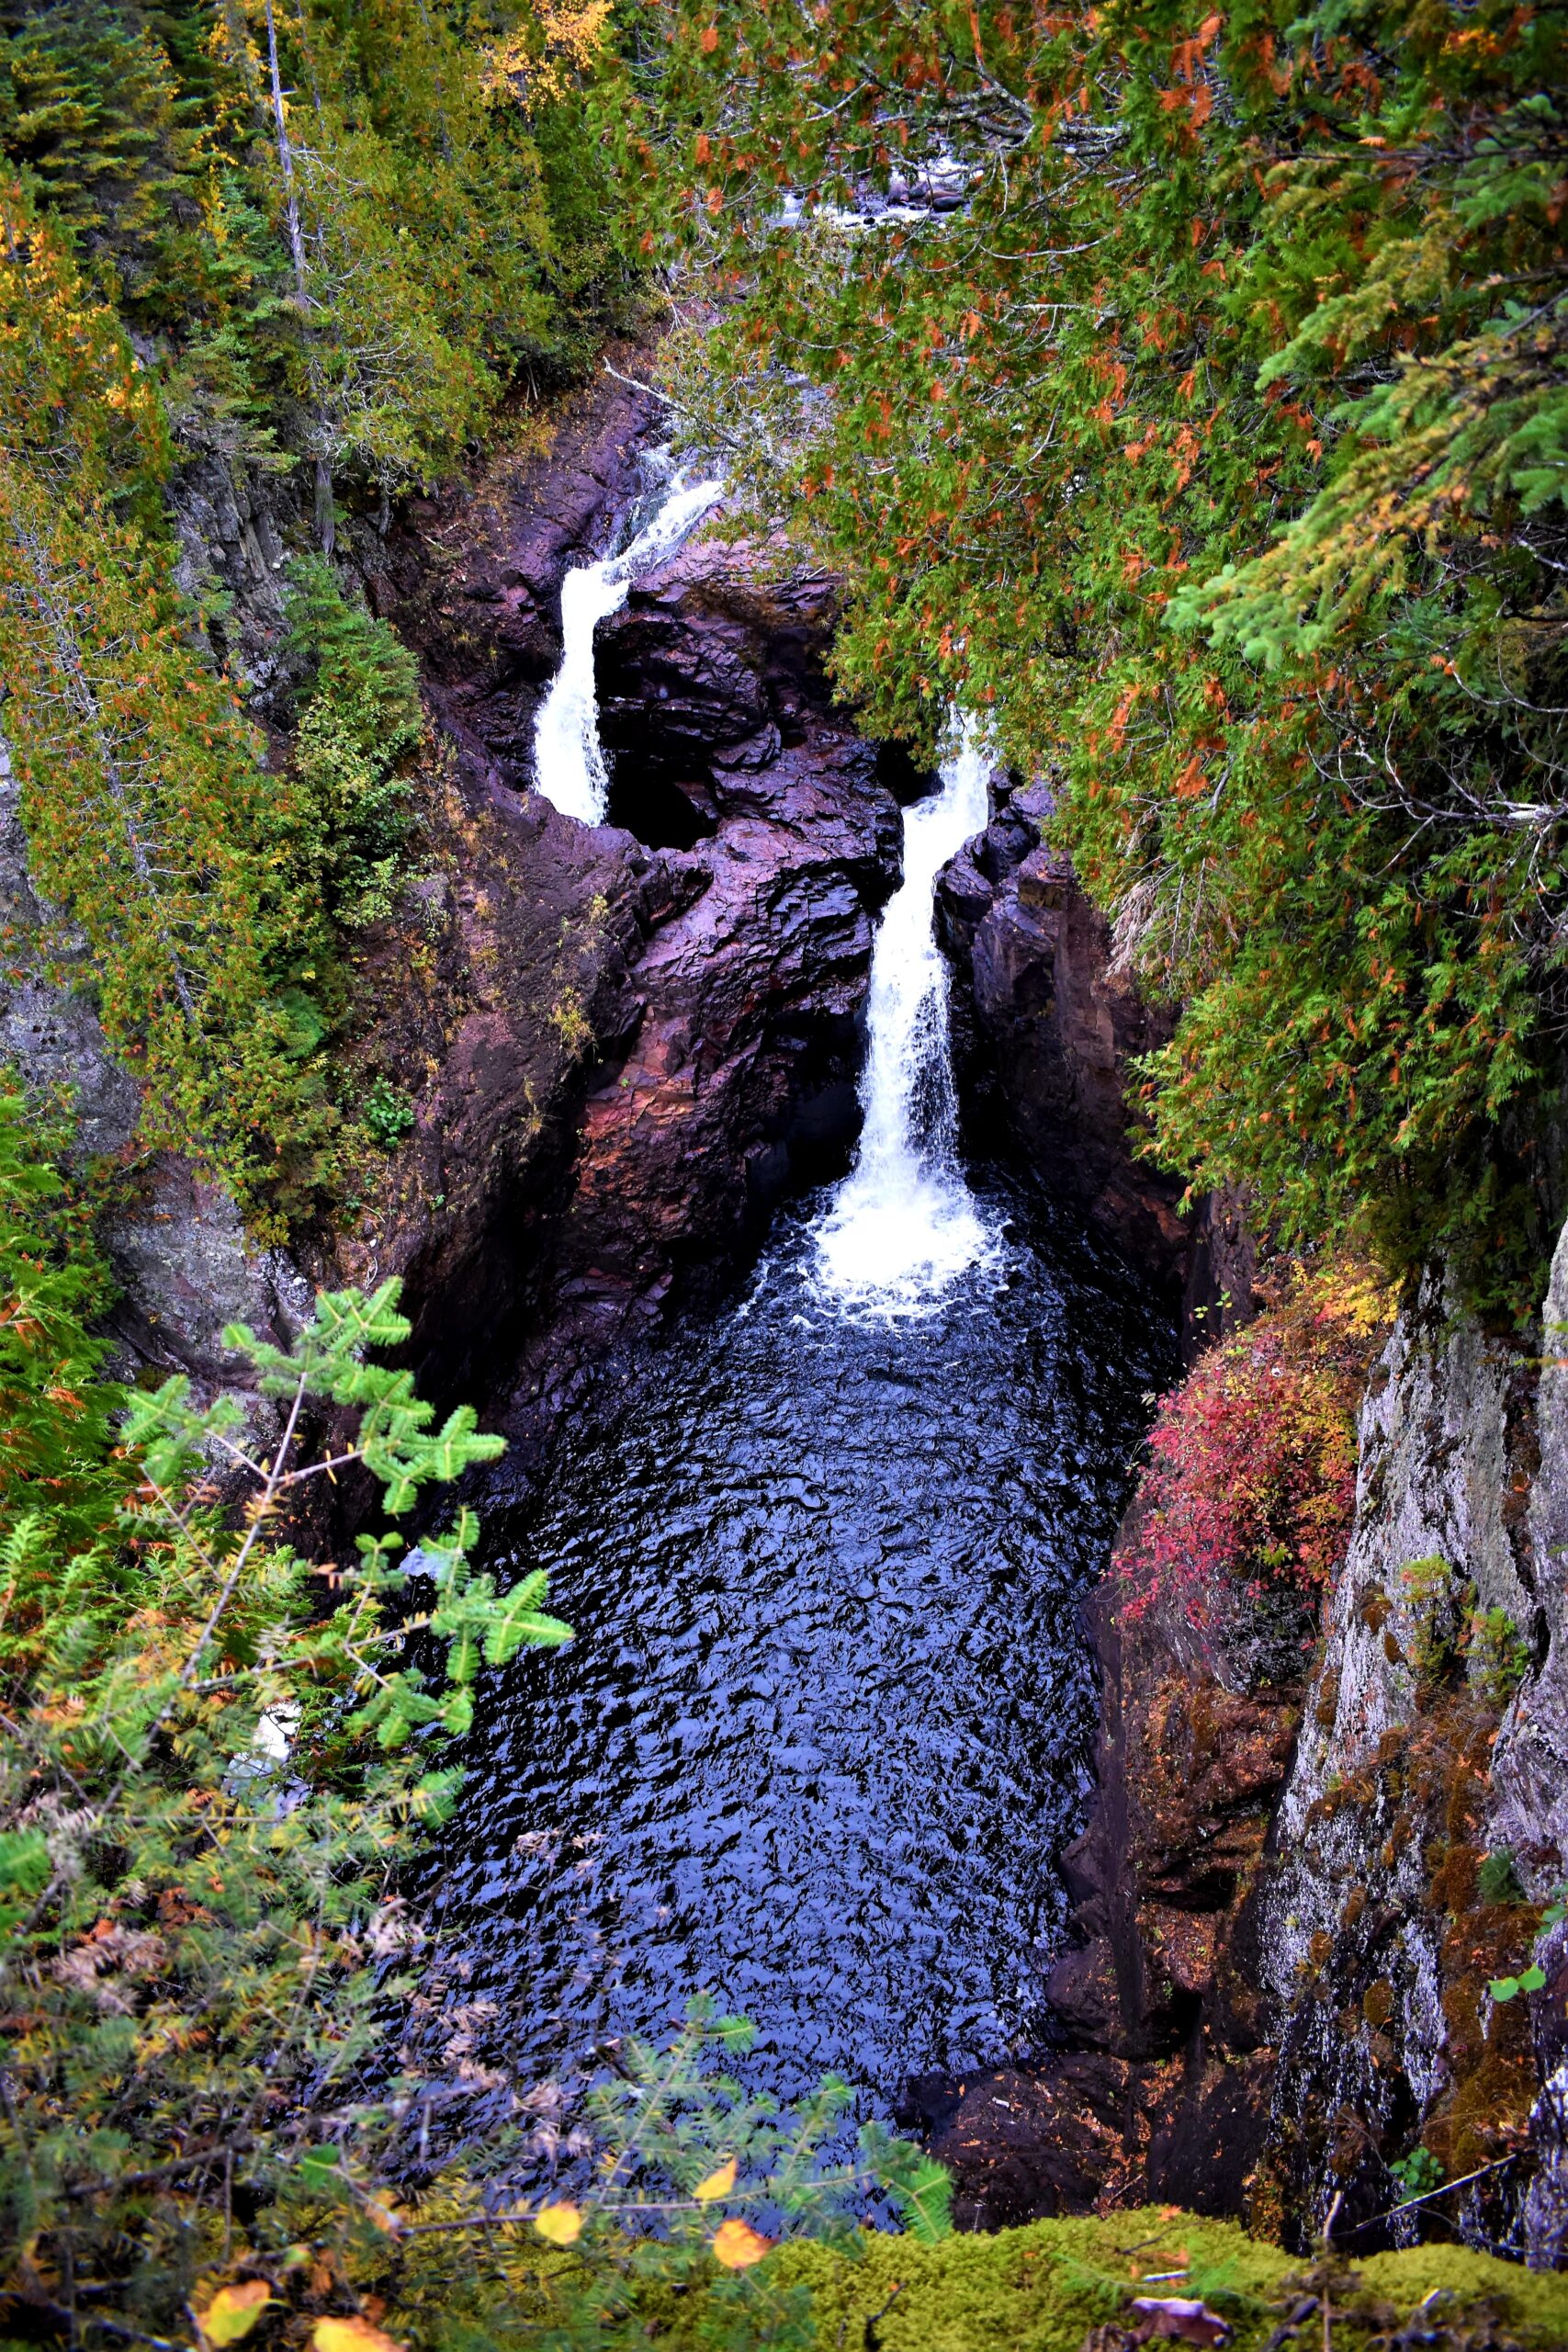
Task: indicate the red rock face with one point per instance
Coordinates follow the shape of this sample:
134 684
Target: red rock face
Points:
625 1042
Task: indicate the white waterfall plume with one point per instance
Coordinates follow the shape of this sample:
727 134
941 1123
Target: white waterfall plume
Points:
903 1224
569 760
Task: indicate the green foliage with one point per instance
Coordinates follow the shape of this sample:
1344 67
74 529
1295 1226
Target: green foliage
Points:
89 108
168 1908
1499 1656
1532 1979
60 1486
1508 1988
389 1113
369 281
346 279
695 2185
1417 2173
149 819
359 718
1215 444
1496 1880
1429 1589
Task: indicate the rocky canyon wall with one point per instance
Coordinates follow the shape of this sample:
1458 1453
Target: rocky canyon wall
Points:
1295 1891
619 1045
1045 1028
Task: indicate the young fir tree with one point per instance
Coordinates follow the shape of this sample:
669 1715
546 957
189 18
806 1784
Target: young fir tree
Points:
216 1760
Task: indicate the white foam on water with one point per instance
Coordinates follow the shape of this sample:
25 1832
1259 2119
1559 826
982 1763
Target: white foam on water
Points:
568 759
902 1226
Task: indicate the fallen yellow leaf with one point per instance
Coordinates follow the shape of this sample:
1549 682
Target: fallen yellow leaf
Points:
233 2311
563 2224
737 2245
717 2183
350 2336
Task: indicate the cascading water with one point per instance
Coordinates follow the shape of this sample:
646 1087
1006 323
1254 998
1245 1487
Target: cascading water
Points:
904 1225
569 760
819 1735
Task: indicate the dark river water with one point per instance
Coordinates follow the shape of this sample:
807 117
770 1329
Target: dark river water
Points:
823 1729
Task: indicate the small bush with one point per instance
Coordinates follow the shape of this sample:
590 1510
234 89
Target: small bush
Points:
1251 1484
1499 1656
1496 1880
569 1017
1430 1594
360 716
1417 2174
389 1113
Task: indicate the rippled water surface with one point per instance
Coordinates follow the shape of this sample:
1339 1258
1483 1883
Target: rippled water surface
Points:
822 1731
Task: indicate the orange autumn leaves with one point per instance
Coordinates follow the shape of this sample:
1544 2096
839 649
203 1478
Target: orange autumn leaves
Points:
234 2311
735 2245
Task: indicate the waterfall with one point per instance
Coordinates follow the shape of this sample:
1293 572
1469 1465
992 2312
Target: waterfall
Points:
568 759
903 1224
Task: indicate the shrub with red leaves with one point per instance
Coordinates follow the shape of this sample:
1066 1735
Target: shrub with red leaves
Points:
1251 1481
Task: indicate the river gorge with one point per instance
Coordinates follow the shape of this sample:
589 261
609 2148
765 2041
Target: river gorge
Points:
770 1184
824 1727
784 1177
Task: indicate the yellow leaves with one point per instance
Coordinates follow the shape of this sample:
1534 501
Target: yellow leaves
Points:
561 2223
709 41
350 2336
533 62
576 34
716 2183
232 2313
736 2245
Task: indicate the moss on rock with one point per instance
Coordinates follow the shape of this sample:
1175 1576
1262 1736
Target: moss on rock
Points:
1043 2288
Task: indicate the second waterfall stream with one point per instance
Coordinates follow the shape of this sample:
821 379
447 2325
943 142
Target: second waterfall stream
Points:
568 759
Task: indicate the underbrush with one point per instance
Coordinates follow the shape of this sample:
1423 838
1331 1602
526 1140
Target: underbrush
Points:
1250 1487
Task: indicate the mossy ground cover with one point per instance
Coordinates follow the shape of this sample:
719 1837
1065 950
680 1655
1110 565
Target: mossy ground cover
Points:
1044 2288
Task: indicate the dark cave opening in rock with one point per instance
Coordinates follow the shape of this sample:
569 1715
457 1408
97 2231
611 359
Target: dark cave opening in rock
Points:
648 802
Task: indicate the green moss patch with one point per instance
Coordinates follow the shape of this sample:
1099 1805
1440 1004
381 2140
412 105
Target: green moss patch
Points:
1043 2288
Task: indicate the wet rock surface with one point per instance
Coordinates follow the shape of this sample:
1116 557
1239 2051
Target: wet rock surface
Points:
634 1039
1162 2091
471 574
1046 1027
